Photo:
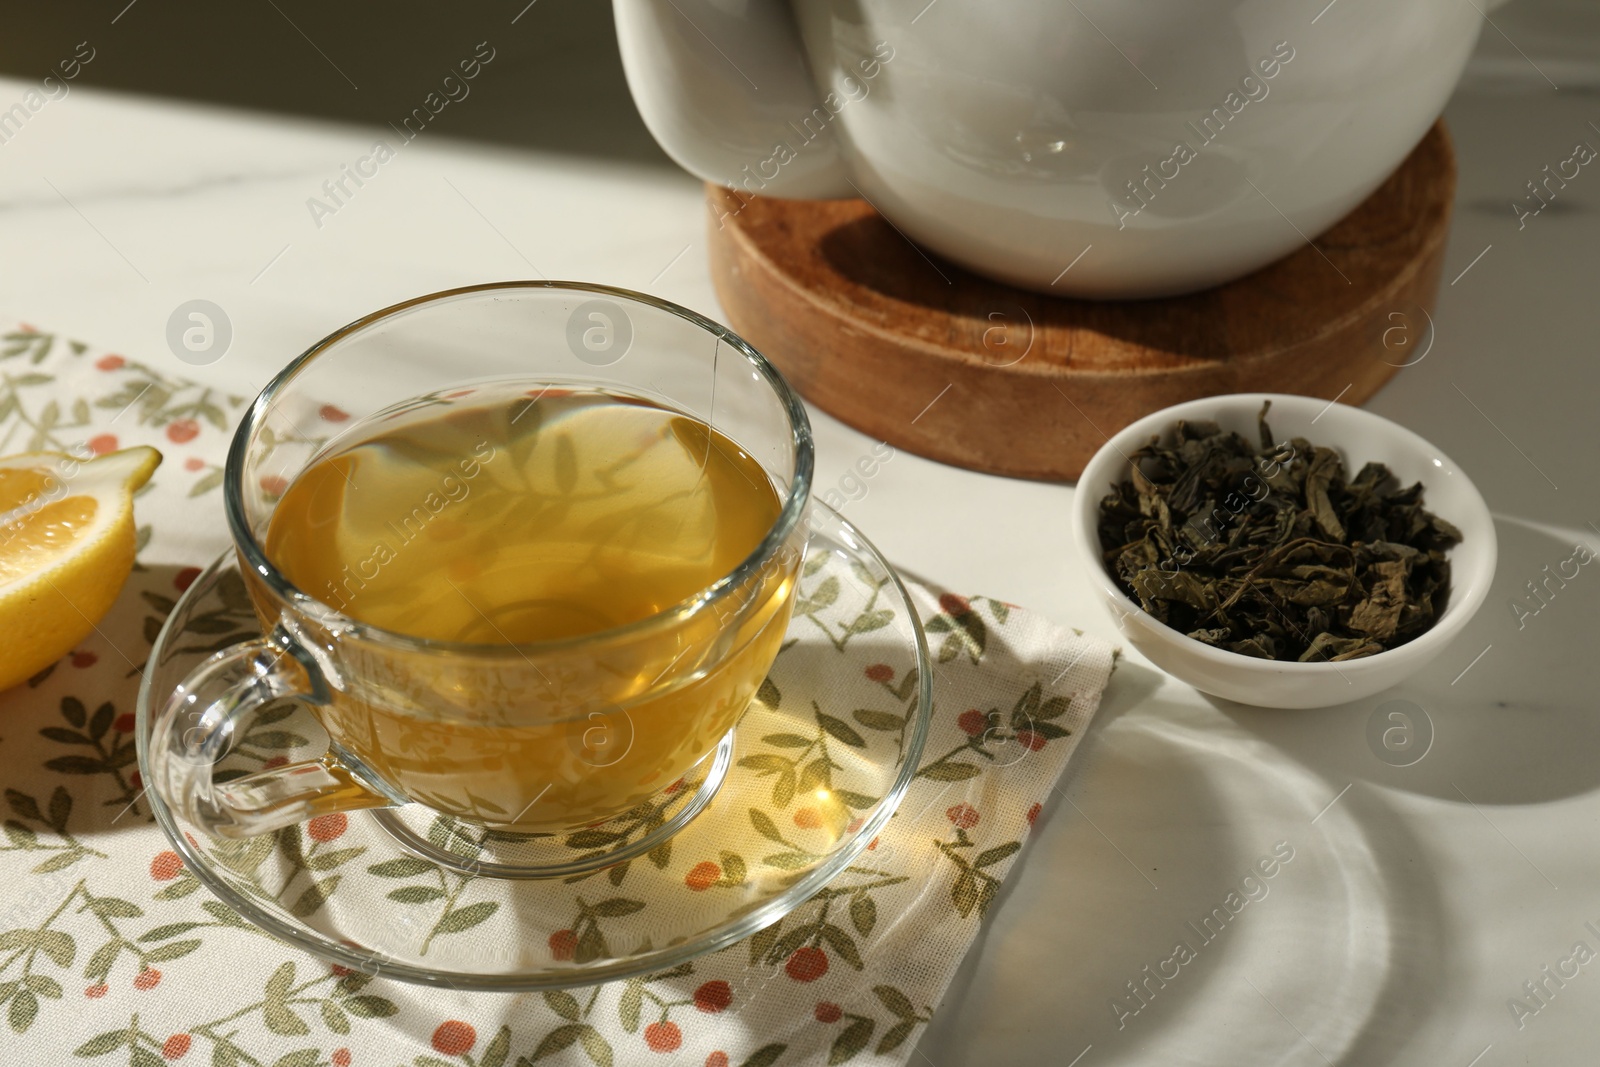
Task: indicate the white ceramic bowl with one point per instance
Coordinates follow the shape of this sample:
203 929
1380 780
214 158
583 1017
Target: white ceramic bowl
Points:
1360 437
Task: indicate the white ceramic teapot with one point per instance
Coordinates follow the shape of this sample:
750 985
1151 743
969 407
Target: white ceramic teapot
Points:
1092 148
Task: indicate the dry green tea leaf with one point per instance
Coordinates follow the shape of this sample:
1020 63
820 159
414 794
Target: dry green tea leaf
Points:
1270 550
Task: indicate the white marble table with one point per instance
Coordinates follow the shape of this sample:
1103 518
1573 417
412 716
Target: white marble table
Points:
1418 900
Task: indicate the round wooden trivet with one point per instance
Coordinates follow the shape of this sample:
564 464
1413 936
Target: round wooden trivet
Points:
871 330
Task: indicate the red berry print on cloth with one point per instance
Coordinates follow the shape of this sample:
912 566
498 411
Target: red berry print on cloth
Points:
454 1037
1033 812
973 722
102 443
328 827
333 414
880 672
962 815
1033 741
124 723
147 979
95 992
110 362
194 463
663 1037
807 964
185 578
175 1047
563 945
340 1057
165 866
713 996
828 1012
717 1059
808 818
274 485
951 604
703 876
182 431
81 660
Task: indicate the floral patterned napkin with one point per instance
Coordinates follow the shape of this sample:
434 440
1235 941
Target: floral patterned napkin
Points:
111 952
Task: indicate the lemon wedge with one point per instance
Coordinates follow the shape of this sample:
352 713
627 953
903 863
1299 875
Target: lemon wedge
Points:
67 541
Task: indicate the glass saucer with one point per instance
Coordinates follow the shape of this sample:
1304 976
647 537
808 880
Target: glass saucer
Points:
806 781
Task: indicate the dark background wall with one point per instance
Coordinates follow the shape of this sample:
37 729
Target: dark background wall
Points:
556 69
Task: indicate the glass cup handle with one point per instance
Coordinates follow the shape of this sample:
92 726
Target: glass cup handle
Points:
195 729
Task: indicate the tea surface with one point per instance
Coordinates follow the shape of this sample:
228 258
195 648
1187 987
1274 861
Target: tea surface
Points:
521 519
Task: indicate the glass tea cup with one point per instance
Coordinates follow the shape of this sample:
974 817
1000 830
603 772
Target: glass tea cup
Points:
523 738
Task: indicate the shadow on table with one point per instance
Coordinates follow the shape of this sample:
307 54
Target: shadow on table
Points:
1346 945
555 81
1516 726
